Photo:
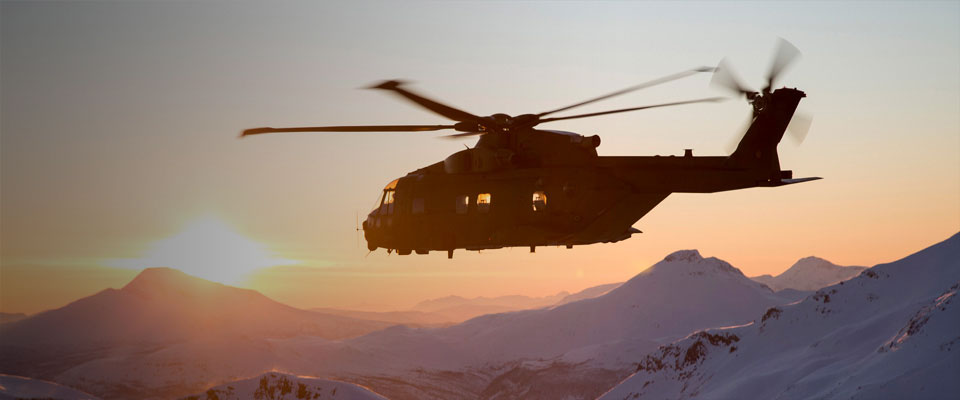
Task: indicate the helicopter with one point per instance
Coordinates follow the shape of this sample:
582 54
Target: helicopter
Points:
520 186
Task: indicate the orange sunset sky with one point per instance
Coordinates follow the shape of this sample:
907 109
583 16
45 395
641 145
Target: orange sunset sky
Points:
120 151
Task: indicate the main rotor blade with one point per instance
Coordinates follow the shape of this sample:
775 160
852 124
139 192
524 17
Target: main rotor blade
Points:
709 99
644 85
460 135
725 77
786 54
442 109
368 128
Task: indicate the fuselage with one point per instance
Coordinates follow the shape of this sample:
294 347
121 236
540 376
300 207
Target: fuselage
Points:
539 188
432 210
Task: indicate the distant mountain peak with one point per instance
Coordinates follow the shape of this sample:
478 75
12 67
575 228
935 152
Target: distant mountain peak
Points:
163 279
809 273
684 256
691 261
814 262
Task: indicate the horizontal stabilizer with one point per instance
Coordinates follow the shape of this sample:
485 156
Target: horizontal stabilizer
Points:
798 180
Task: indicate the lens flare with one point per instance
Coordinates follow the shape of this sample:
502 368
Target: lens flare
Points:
207 248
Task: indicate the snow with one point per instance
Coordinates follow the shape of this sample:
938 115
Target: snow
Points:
680 294
279 386
11 317
459 309
163 305
600 337
841 337
808 274
18 387
892 332
589 293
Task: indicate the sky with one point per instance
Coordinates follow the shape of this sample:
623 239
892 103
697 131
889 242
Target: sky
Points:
119 125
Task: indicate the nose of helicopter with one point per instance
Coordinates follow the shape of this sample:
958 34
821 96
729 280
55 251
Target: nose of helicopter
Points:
369 231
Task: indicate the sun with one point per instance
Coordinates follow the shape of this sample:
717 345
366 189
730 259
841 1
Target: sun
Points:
207 248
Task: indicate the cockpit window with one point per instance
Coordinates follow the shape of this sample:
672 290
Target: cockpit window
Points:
539 201
463 202
387 206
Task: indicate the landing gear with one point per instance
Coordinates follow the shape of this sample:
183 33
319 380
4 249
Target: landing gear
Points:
533 249
403 252
449 254
569 246
422 252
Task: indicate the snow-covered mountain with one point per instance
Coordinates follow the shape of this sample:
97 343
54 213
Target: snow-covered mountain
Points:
892 332
160 322
459 309
411 318
590 292
18 387
162 305
582 347
11 317
808 274
682 293
278 386
579 349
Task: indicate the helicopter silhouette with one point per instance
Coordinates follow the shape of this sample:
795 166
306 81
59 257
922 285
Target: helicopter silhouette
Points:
525 187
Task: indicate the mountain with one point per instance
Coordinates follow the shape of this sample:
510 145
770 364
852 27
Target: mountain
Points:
892 332
161 313
682 293
162 305
277 386
589 293
583 347
411 318
18 387
808 274
11 317
459 309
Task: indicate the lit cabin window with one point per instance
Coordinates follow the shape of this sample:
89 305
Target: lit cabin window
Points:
483 202
418 206
539 201
463 201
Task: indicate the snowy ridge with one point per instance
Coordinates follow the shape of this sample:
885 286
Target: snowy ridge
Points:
18 387
808 274
589 293
577 350
278 386
892 332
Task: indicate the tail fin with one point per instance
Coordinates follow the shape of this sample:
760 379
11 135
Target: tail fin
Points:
758 148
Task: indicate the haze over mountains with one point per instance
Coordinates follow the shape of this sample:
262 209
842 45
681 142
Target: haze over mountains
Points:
166 334
449 310
164 309
457 308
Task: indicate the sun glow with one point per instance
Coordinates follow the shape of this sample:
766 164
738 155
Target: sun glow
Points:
207 248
